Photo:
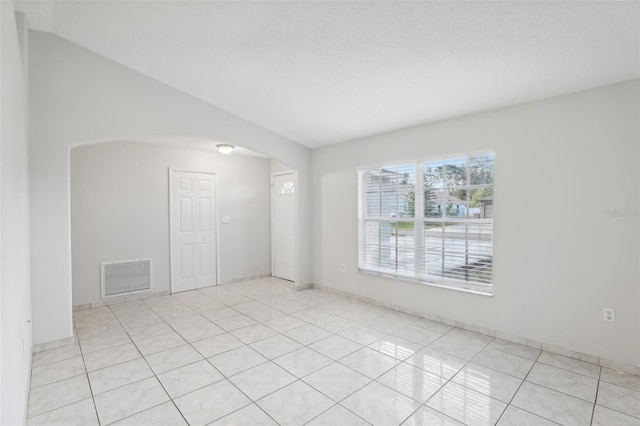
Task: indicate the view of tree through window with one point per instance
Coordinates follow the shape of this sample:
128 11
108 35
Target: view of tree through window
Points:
429 220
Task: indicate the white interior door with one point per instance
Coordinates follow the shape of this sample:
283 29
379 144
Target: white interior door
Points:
193 231
285 187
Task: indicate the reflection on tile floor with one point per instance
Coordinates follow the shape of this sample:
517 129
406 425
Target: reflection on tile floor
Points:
259 353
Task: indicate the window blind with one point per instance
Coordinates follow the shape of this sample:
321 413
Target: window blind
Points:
431 220
387 219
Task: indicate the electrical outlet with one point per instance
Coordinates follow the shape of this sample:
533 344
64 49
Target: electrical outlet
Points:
342 268
609 315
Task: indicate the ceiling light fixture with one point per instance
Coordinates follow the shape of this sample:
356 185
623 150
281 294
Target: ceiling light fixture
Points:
225 148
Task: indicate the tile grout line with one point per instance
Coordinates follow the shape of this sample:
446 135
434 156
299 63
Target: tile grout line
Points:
337 404
543 363
227 378
317 307
608 408
165 321
95 408
401 361
567 369
152 371
404 362
450 380
253 402
204 359
61 380
524 379
562 392
594 403
595 400
232 383
301 379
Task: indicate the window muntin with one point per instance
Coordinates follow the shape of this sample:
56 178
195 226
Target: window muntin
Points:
444 233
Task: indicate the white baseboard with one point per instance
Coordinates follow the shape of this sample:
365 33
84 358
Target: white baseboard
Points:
302 286
53 344
121 299
247 278
592 359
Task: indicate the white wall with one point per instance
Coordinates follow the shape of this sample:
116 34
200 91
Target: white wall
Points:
558 258
278 166
77 96
120 210
15 296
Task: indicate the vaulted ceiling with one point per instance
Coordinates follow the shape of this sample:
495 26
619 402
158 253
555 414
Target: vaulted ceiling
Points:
326 72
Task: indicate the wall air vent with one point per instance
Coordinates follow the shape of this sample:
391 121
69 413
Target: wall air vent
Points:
121 278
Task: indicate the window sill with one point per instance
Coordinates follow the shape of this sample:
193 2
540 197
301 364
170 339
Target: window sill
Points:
472 288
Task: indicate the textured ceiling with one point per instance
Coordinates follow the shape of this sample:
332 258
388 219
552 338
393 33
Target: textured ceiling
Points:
326 72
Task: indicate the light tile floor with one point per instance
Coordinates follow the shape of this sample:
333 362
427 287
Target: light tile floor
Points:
258 353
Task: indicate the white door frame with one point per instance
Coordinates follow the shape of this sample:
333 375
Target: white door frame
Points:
295 219
217 225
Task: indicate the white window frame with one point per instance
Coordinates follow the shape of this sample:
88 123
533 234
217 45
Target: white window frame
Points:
420 275
387 217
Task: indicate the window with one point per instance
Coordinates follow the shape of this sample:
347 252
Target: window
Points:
429 222
384 245
287 187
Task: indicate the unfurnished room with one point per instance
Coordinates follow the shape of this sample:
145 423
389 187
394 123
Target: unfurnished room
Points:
319 213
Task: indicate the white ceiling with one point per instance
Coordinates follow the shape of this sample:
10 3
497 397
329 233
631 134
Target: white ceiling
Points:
326 72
